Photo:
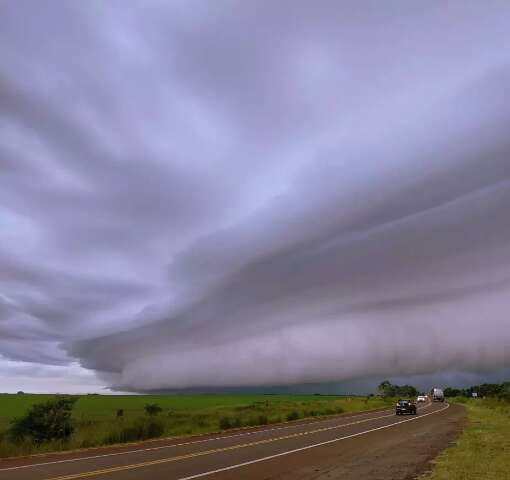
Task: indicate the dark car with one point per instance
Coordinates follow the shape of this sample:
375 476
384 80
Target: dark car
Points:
405 406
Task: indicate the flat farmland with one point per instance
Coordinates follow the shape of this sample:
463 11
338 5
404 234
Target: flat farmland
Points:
98 421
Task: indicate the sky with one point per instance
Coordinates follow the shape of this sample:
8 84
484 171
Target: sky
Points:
199 194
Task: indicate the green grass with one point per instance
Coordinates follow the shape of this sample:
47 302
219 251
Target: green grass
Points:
97 424
483 449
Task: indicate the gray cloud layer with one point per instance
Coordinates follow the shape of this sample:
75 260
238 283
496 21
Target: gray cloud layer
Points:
235 194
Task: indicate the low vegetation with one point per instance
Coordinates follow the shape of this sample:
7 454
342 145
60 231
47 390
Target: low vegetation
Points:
42 423
483 449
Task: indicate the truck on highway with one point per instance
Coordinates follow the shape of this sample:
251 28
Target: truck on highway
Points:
437 395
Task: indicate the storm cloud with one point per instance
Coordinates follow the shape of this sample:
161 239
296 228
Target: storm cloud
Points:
230 194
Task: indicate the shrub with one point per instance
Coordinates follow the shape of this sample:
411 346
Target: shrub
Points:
294 415
152 409
120 412
225 423
44 422
200 420
260 420
141 429
86 443
153 429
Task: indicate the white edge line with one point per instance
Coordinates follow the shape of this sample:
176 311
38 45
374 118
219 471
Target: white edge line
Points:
183 444
308 447
194 442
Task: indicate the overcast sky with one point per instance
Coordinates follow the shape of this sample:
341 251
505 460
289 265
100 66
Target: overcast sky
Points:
232 194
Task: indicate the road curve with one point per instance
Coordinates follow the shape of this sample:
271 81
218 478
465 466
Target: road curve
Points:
350 446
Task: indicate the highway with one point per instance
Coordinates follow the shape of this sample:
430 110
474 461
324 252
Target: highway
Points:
376 443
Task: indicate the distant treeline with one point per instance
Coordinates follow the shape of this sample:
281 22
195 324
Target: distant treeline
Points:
494 390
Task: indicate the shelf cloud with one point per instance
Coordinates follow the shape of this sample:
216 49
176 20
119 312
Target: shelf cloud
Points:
223 194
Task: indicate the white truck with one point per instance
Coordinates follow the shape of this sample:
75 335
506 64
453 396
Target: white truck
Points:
437 395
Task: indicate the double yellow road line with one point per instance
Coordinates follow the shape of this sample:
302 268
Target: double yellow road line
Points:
209 452
245 445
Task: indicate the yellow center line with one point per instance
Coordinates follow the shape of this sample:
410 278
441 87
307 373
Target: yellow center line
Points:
206 452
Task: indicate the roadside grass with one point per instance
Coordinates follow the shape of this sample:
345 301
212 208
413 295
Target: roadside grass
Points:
483 449
97 423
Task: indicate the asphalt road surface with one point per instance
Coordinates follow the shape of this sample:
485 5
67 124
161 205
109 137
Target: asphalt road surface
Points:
375 445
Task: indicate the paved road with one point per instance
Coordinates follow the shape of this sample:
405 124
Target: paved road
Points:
344 446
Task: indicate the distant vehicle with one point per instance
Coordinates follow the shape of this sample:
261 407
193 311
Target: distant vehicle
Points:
437 395
421 398
405 406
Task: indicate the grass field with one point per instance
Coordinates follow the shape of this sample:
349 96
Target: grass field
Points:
483 450
97 423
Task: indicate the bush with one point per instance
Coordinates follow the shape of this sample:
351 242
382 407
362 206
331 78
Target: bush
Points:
44 422
225 423
120 412
141 429
153 429
152 409
200 420
294 415
86 443
260 420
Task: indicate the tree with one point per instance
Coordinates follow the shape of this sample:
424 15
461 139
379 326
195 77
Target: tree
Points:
405 391
385 388
45 422
453 392
152 409
504 394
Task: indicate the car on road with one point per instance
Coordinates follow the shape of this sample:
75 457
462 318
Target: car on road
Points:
405 406
421 399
